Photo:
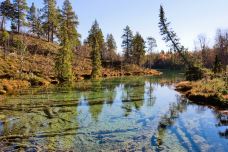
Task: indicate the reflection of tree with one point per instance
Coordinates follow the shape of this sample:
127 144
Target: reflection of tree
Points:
222 119
134 94
168 120
97 94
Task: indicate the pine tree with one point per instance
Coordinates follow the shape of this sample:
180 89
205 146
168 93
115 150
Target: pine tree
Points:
96 61
50 17
95 34
32 18
96 42
127 43
138 49
6 9
63 63
193 72
20 9
111 47
170 36
39 25
71 22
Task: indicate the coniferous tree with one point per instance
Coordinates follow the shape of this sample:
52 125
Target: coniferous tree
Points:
170 36
96 42
96 60
138 49
95 32
50 17
193 72
127 43
32 18
63 63
39 25
20 9
6 11
71 22
111 47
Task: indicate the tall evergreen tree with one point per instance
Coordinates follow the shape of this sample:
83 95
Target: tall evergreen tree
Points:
193 72
39 25
127 43
96 42
138 47
96 36
63 63
71 22
32 18
6 11
96 60
170 36
50 17
20 9
111 46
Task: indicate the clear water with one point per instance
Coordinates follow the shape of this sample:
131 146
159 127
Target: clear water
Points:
122 114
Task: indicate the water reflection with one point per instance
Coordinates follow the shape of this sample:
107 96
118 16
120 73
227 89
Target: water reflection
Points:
125 114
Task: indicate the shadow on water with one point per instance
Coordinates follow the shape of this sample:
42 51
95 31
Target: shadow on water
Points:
119 114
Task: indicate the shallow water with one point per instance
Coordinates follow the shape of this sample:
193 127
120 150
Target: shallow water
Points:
121 114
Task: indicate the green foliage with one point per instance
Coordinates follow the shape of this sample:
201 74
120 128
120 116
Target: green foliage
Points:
4 38
20 9
138 49
96 42
169 36
32 18
110 47
96 36
96 61
63 65
151 44
50 17
6 11
71 21
127 44
194 73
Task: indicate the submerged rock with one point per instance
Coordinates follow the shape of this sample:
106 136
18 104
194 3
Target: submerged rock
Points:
48 112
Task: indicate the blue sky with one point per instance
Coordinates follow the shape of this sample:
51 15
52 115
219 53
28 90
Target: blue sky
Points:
189 18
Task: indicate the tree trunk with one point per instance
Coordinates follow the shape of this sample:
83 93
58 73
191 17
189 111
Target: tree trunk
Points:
52 32
3 22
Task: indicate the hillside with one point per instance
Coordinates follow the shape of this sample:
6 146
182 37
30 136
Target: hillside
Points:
35 67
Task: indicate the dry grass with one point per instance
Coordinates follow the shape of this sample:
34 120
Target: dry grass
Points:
11 85
213 91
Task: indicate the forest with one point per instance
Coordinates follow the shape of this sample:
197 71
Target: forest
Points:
59 92
97 55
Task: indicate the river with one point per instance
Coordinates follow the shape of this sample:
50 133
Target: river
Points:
118 114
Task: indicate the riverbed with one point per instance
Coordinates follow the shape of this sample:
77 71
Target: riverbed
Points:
118 114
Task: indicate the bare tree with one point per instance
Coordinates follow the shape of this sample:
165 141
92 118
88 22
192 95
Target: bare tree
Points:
204 48
151 42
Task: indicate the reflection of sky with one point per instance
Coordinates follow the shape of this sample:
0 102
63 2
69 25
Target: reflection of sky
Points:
108 124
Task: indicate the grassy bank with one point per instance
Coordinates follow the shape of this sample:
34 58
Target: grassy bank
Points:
35 67
212 92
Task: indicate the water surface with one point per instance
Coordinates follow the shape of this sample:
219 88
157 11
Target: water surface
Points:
120 114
